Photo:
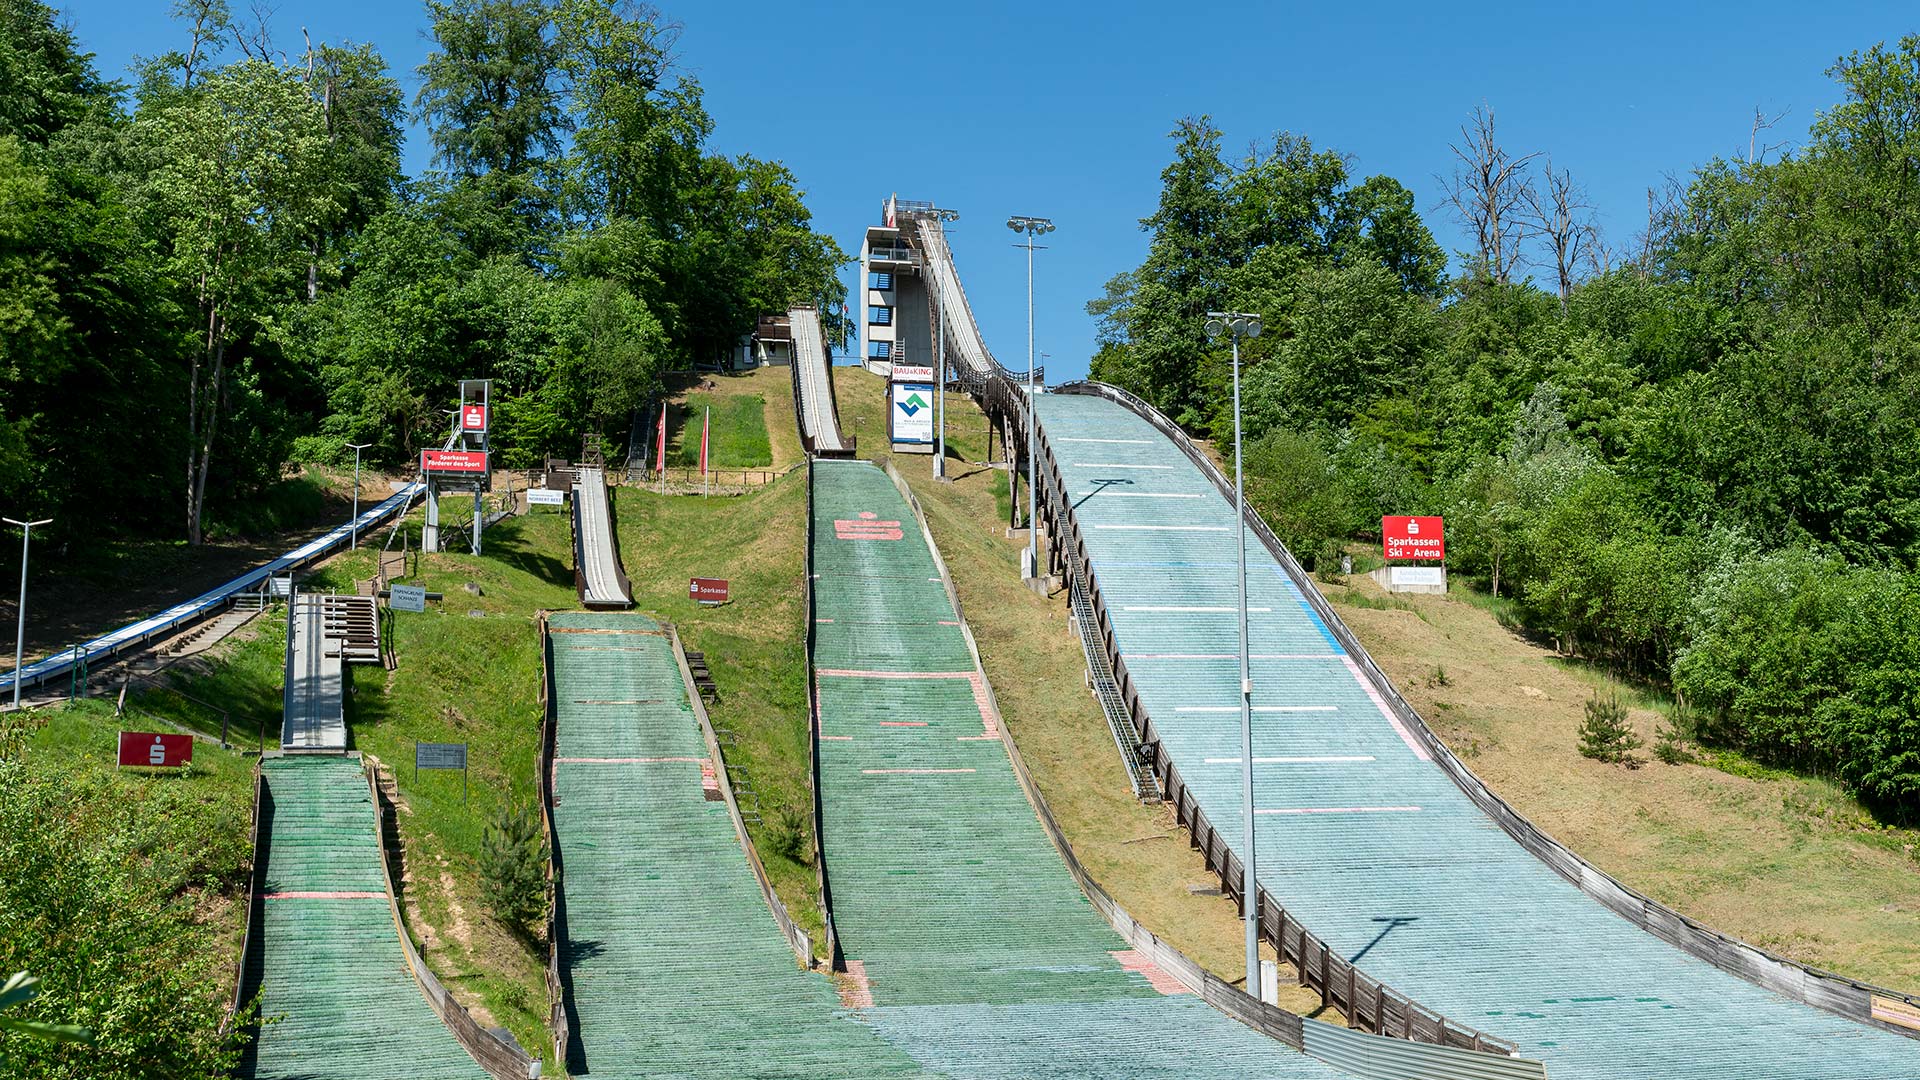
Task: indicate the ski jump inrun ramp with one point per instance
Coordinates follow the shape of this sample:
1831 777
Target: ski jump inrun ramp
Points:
602 581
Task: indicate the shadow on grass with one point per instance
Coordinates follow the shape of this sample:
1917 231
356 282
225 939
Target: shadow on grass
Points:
505 543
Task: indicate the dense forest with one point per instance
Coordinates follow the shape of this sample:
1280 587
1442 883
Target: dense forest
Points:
220 267
1691 455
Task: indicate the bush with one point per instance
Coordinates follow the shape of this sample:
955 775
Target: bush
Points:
1606 735
793 835
513 868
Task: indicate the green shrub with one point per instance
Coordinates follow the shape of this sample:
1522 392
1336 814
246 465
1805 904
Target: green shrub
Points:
513 860
1606 735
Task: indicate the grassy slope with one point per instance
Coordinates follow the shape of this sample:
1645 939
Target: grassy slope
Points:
1783 861
205 808
1038 675
747 433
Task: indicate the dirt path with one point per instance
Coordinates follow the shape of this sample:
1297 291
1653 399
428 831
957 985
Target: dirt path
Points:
1785 862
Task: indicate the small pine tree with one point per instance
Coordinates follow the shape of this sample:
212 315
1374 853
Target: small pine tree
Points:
513 877
1606 735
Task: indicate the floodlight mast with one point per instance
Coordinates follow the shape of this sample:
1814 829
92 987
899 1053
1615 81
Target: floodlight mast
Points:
1032 228
20 629
1235 325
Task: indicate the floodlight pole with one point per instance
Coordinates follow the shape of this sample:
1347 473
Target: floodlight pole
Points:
1235 325
1032 227
20 629
356 448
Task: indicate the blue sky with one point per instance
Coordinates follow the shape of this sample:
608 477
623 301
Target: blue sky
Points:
1062 109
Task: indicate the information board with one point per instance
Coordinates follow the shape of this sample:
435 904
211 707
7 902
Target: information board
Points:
704 590
546 497
407 597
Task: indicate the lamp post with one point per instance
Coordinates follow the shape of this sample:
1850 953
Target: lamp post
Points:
1235 325
1033 228
20 630
940 360
356 448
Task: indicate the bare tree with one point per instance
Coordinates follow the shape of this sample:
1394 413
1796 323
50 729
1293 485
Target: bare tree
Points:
1665 207
1488 193
1756 150
1563 217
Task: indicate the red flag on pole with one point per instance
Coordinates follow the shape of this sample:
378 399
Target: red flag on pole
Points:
706 429
661 457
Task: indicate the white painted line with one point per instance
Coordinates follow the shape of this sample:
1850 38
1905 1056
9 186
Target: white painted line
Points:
1170 528
1344 810
1138 495
1228 656
913 772
1129 442
1115 465
1214 610
1332 759
1257 708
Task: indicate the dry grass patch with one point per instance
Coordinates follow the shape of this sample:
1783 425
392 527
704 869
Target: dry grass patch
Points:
1783 861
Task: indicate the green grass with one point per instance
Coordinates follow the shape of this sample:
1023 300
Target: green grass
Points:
124 890
739 431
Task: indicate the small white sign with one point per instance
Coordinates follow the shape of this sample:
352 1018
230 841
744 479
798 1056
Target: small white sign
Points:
546 497
1419 575
407 598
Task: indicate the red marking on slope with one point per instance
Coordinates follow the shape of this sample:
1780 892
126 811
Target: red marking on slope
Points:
1160 978
1379 703
856 529
988 720
858 995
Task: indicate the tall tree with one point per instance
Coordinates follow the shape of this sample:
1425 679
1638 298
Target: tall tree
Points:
235 180
1184 275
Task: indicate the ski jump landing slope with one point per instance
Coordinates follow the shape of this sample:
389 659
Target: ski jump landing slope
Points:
676 965
976 952
329 961
1362 836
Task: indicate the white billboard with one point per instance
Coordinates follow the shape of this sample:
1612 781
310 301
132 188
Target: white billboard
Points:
912 413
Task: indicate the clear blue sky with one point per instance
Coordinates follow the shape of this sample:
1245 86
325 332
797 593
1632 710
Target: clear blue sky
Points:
1062 109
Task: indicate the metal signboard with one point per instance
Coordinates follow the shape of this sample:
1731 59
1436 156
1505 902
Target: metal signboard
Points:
473 418
459 462
546 497
911 417
706 590
407 597
442 755
912 373
147 748
1403 537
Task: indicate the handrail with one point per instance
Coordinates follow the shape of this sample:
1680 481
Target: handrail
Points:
559 982
836 960
1850 998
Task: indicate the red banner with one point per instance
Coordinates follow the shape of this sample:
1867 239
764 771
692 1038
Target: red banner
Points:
453 461
707 590
1403 537
150 748
661 457
706 430
473 418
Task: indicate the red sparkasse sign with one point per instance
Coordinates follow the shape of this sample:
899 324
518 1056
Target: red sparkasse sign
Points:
473 418
454 461
152 748
1403 537
707 590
